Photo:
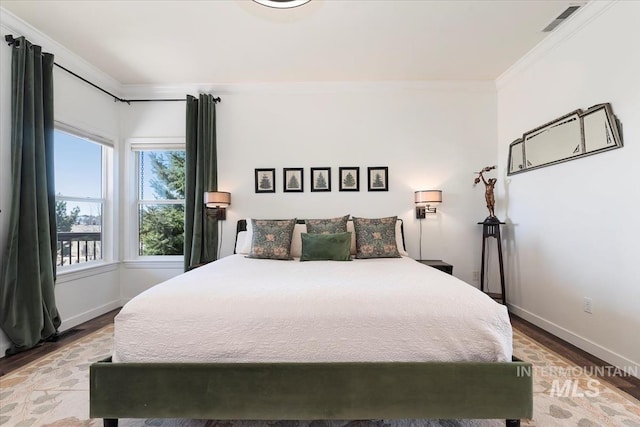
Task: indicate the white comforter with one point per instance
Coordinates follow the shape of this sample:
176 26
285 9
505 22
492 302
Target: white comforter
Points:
250 310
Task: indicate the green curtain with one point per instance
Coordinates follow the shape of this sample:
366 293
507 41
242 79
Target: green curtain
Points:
200 229
27 301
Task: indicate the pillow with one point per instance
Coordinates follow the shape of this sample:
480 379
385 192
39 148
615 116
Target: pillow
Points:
331 247
327 226
376 238
243 245
271 238
351 229
246 247
240 242
399 241
296 240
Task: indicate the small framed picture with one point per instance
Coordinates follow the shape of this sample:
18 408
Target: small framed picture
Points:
378 178
349 178
320 179
293 180
265 180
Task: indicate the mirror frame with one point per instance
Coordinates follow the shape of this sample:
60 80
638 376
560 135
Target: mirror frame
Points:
612 121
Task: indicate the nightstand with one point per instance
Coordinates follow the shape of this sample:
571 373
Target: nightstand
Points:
439 264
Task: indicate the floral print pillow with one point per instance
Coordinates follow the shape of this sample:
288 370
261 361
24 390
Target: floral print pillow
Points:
376 238
327 226
271 239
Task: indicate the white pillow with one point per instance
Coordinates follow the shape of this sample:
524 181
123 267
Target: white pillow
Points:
399 241
399 244
296 240
246 246
240 239
243 245
351 229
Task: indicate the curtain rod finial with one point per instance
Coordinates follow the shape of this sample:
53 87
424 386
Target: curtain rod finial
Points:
9 39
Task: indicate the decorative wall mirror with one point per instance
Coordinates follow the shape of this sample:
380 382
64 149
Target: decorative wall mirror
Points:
579 133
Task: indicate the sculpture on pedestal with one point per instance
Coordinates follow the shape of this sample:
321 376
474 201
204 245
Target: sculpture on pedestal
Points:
488 193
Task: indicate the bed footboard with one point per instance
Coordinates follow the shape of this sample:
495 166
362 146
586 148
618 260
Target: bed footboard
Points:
309 391
110 422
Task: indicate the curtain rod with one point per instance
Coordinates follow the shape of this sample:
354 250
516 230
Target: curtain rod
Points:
11 41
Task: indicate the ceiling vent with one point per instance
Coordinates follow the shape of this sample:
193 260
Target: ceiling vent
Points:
560 19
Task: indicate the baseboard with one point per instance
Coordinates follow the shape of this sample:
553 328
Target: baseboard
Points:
78 319
630 367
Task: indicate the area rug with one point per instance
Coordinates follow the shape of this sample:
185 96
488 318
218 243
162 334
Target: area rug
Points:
54 392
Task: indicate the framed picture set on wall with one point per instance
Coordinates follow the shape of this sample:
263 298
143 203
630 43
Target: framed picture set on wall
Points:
378 178
265 180
293 180
349 178
320 179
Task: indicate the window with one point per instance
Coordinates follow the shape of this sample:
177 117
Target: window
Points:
81 177
160 189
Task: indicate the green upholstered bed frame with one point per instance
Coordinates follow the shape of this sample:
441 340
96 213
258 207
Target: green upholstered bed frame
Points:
309 391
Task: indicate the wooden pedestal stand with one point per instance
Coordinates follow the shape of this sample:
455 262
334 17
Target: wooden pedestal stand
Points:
491 228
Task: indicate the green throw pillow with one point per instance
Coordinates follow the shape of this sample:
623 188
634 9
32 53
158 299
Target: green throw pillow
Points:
271 239
326 247
327 226
376 238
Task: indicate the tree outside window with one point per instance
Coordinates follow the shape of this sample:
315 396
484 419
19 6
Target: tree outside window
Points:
161 192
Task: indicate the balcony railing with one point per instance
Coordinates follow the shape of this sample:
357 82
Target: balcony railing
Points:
78 247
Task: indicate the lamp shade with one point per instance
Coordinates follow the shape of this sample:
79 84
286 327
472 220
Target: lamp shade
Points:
428 196
217 199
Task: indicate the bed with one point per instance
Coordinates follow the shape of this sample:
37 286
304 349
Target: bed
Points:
365 339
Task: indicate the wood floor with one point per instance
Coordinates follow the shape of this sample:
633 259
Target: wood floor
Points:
13 362
630 385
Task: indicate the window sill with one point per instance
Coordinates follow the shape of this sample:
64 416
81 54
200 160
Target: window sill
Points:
81 271
155 263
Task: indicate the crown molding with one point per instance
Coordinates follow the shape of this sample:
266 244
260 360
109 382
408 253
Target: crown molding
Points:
11 24
574 24
160 91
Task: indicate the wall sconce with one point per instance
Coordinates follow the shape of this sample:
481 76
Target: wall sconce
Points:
424 199
218 200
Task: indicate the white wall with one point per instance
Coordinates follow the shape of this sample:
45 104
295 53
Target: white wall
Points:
574 231
430 135
80 296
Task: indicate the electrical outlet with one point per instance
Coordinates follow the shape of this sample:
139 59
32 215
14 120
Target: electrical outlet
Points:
588 305
476 276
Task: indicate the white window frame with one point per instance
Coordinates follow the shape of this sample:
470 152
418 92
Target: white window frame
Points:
107 200
134 259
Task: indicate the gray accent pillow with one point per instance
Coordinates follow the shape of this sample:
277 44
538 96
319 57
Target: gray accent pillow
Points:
376 237
326 247
327 226
271 239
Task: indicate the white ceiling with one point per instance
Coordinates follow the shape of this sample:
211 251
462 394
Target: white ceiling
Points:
239 41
